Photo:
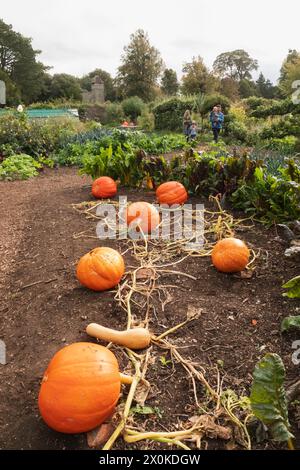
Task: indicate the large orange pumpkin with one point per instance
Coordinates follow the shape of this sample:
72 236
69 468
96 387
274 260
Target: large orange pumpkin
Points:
80 388
104 187
230 255
100 269
171 193
145 215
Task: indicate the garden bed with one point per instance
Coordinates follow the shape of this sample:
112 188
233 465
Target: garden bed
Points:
239 322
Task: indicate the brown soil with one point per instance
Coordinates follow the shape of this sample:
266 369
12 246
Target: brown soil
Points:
37 225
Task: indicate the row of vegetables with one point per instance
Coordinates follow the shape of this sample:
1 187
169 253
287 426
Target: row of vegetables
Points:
81 386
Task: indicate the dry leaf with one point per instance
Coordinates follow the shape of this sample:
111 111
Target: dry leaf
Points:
193 312
98 436
207 426
142 392
247 274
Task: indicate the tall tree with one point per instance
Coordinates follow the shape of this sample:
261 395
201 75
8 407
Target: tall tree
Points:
65 86
109 87
291 58
247 88
197 78
230 88
264 87
169 82
235 64
18 60
13 95
140 68
289 74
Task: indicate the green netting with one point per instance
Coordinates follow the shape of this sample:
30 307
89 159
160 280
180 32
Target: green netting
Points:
45 113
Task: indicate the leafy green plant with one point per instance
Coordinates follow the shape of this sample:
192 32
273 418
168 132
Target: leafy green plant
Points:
97 165
269 198
293 288
289 323
212 172
164 361
32 137
19 167
146 410
268 398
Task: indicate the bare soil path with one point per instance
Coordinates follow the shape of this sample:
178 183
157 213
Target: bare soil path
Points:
37 224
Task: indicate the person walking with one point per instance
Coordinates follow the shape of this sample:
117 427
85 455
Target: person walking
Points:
187 122
217 119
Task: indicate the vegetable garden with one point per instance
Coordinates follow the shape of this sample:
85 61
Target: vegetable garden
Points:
148 342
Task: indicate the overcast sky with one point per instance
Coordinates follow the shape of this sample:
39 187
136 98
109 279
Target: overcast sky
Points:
77 36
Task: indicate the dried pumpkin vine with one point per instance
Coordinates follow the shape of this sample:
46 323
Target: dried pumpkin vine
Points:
141 287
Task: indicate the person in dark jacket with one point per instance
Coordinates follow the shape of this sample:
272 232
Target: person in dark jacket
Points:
187 122
217 119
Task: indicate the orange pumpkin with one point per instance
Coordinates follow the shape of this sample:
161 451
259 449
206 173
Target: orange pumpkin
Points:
80 388
145 215
230 255
104 187
100 269
171 193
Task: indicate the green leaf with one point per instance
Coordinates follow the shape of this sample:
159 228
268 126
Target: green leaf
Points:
268 399
146 410
290 322
293 286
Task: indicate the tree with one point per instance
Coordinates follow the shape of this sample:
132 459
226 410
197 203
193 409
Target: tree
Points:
289 74
169 82
109 87
291 58
247 88
133 107
235 64
264 87
197 78
140 68
13 95
18 61
230 88
65 86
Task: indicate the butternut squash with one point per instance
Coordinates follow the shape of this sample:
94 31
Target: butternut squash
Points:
135 338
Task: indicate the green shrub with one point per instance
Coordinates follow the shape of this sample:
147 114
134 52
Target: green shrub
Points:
285 146
36 138
114 113
133 107
236 131
276 108
213 100
254 102
146 121
55 104
19 167
286 126
169 114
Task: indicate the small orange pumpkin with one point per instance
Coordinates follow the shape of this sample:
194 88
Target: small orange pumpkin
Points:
104 187
171 193
230 255
80 388
145 215
100 269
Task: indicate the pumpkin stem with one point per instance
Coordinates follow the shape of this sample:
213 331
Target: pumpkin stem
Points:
126 379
